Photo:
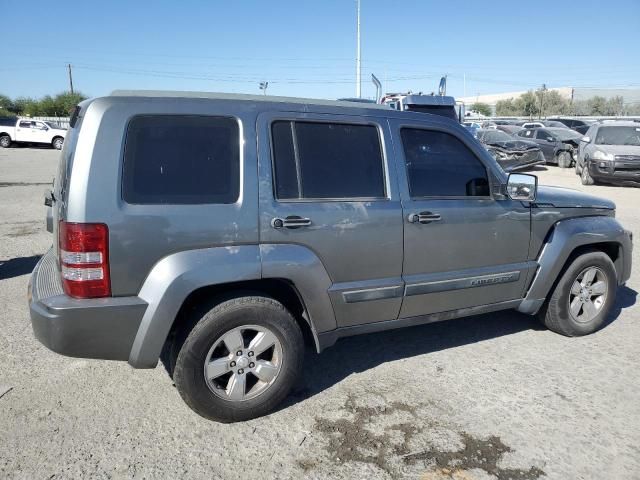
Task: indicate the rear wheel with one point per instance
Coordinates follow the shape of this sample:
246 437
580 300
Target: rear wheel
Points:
583 297
5 141
240 360
564 159
57 143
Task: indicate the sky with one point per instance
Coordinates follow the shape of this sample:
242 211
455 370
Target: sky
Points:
308 48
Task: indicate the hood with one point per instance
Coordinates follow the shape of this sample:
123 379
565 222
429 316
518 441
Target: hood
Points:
619 149
559 197
514 145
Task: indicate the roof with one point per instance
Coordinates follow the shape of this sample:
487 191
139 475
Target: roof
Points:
244 97
619 123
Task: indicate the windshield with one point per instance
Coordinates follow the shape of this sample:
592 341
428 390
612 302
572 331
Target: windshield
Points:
564 133
496 136
618 136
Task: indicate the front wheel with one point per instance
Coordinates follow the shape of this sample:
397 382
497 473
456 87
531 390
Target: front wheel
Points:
583 297
57 143
240 360
5 141
564 160
585 176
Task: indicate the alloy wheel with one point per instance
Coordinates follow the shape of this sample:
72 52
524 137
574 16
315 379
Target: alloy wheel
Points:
243 363
588 294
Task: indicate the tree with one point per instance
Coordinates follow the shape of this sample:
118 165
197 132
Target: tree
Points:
507 108
6 106
482 108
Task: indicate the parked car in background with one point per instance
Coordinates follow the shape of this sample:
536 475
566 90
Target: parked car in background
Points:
510 152
559 145
197 240
532 125
473 127
25 130
575 124
610 152
553 123
510 129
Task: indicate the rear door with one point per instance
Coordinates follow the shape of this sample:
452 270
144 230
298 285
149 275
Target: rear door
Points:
462 247
326 185
24 131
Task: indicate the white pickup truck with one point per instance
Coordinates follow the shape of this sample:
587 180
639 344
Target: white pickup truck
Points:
25 130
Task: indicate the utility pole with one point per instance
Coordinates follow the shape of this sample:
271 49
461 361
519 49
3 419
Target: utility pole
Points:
70 78
542 90
358 76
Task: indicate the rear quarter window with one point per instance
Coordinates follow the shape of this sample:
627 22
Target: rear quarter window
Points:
181 159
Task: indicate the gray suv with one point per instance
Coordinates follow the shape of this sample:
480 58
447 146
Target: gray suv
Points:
223 232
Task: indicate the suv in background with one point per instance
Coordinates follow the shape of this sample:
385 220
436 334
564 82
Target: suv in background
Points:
610 152
580 126
219 232
559 145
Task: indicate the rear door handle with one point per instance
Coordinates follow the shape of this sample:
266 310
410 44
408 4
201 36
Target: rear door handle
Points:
291 222
423 217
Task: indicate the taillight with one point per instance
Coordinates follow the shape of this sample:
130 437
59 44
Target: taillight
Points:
84 259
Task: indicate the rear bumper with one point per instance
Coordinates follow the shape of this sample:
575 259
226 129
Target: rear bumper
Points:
102 328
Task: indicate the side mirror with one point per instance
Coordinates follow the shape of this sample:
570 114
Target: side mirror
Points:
522 187
585 139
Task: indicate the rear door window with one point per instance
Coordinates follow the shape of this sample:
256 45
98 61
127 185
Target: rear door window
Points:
181 159
320 160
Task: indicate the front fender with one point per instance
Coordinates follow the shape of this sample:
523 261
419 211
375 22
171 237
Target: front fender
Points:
173 278
566 236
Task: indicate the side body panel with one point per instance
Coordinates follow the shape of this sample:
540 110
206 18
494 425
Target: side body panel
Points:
141 235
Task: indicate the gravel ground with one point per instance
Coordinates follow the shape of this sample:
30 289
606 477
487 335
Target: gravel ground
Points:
491 396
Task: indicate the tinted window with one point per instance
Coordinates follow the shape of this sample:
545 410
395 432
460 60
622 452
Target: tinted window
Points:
440 165
542 134
526 133
25 124
181 160
327 160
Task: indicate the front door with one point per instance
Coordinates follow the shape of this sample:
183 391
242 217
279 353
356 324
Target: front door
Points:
462 246
326 185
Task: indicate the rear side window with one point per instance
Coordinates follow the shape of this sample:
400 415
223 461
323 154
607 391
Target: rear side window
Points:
440 165
181 159
315 160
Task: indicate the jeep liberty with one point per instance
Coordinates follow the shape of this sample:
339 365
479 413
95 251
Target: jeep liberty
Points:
222 233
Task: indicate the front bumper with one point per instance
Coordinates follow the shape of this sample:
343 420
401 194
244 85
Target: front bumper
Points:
102 328
615 171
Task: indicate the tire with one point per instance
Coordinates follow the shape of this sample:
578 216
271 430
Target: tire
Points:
557 314
57 143
5 141
585 176
564 159
235 321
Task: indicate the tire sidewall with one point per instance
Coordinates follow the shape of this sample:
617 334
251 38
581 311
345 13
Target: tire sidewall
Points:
596 259
57 143
5 143
563 161
189 369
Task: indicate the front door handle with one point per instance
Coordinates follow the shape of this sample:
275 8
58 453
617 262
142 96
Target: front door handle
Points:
291 222
423 217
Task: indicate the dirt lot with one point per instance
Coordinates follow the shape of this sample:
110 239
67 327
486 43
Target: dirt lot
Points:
492 396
